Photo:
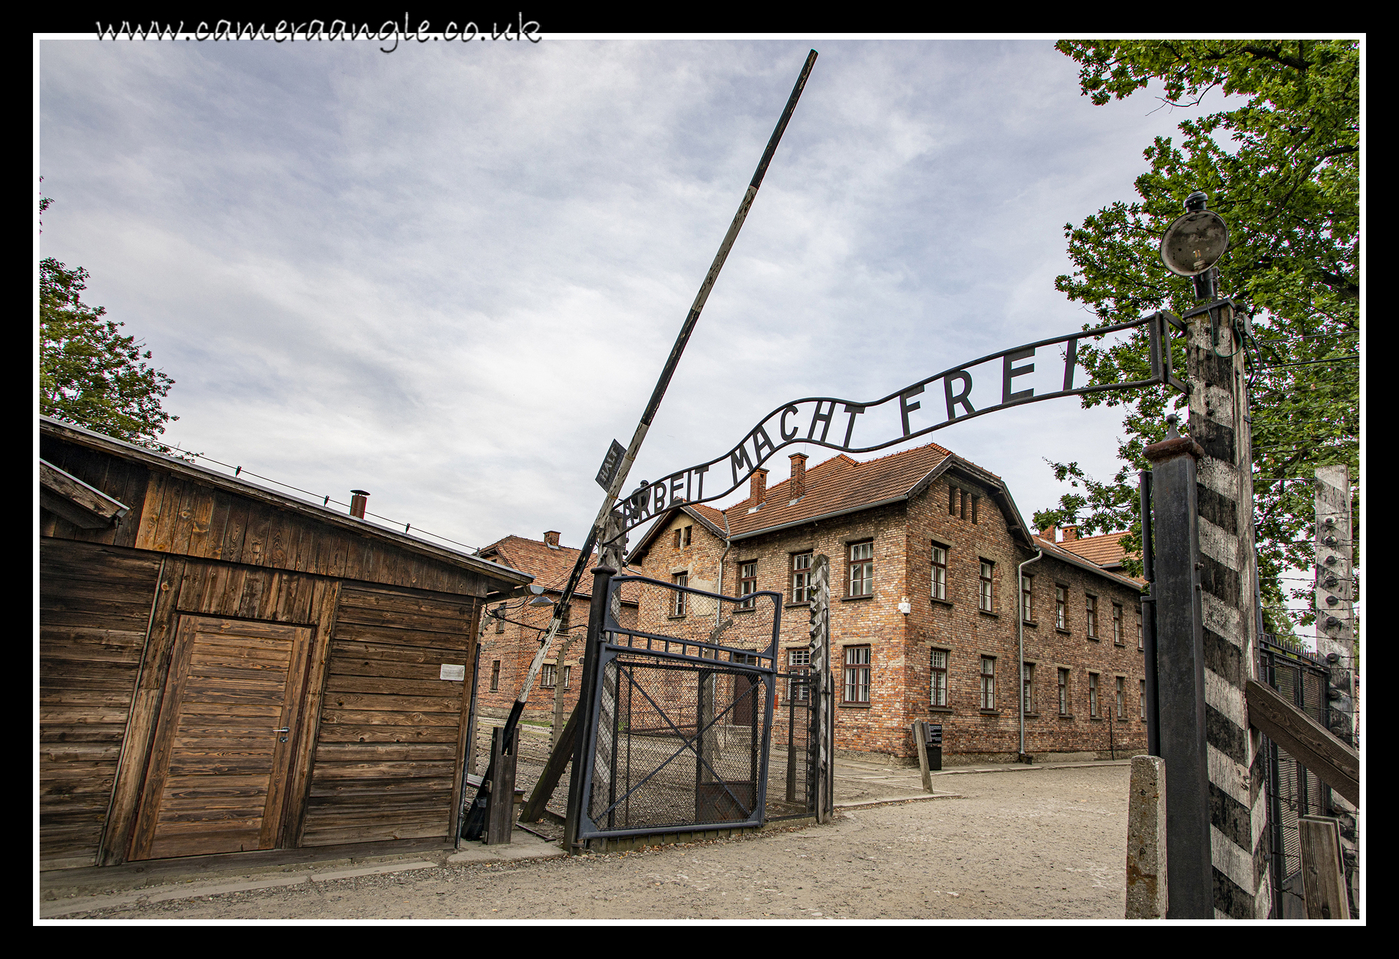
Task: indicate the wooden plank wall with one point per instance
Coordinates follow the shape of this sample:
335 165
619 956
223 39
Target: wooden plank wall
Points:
94 607
386 762
178 515
381 732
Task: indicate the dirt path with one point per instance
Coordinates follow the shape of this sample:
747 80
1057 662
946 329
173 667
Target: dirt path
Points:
1040 843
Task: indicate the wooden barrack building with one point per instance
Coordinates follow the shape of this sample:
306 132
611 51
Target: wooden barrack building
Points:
223 668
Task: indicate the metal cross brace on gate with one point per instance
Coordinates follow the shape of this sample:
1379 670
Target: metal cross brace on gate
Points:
686 743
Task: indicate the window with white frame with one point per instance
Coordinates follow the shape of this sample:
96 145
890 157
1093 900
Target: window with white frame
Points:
801 577
988 682
798 686
1143 698
548 674
1061 607
939 574
1027 598
1063 692
1121 691
495 675
680 603
1093 695
857 674
987 599
861 569
1091 611
747 583
1027 685
1117 624
938 683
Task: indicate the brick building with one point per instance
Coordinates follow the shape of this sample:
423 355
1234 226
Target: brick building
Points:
925 550
511 631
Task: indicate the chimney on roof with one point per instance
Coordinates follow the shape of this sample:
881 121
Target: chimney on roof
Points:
1050 533
551 539
758 487
358 498
1070 533
798 483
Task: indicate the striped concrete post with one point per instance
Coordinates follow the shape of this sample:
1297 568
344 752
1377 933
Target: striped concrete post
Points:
1219 422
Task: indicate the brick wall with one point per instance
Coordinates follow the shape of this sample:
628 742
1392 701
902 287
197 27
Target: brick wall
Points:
515 647
900 645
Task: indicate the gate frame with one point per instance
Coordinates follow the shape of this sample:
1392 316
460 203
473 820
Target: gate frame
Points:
602 623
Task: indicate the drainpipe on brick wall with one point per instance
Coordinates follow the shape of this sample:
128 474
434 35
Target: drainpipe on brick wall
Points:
1020 617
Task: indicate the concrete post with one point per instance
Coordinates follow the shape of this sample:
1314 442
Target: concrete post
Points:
1146 839
1335 630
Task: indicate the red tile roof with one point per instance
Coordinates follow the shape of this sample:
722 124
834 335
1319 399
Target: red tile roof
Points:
1104 549
835 486
549 567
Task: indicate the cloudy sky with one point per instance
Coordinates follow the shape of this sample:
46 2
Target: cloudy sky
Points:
450 274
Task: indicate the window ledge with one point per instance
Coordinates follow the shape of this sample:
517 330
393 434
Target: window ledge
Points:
991 712
940 602
987 612
940 709
848 599
855 705
1031 623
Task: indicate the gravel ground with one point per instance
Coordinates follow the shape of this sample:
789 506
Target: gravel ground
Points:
1020 844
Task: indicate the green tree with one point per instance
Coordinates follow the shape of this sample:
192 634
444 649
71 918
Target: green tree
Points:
1280 163
89 374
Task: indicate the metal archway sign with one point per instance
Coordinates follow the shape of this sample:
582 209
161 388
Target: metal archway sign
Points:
917 409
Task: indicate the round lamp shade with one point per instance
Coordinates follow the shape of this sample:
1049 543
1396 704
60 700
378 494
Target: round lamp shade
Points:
1194 243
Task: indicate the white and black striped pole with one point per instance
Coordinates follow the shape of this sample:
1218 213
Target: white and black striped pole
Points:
1207 656
613 484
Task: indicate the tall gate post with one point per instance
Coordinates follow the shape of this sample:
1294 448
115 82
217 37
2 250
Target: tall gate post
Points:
1228 573
1180 675
823 702
582 750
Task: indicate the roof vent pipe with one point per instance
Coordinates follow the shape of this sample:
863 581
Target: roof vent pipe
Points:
358 498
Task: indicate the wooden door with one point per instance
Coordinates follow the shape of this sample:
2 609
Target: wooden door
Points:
217 777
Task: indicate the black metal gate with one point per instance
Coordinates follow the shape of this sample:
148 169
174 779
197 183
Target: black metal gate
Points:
1292 790
681 722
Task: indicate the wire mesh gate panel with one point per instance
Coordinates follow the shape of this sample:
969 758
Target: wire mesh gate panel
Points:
1292 789
791 791
681 724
